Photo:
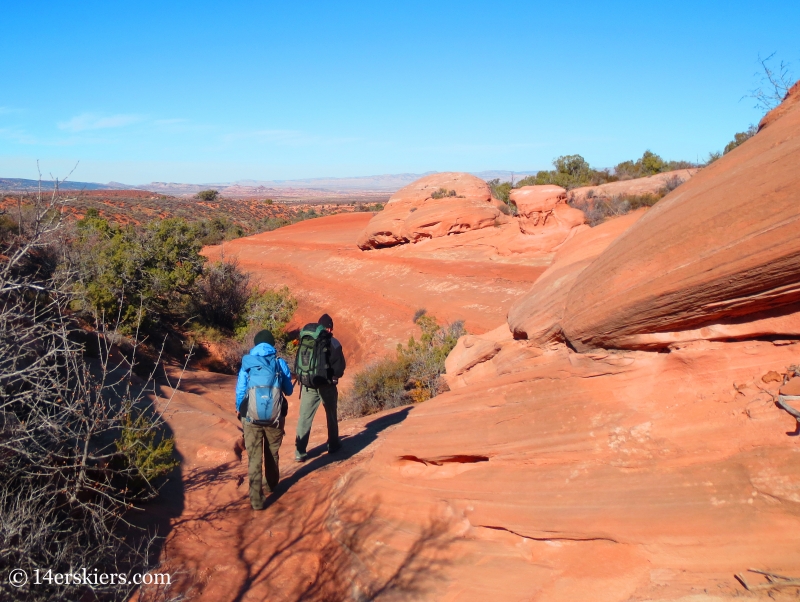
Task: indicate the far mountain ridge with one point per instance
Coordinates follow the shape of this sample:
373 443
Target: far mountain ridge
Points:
377 183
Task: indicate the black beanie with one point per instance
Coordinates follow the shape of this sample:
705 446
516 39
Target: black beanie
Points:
265 336
326 321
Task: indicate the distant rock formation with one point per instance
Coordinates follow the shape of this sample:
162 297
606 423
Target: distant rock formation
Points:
453 203
542 208
436 205
543 215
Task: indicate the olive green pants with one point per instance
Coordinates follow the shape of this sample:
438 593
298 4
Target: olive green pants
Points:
262 443
309 404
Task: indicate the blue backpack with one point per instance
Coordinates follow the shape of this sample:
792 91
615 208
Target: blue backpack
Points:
264 395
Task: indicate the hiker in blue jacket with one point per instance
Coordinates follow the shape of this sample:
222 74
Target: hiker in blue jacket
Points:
264 380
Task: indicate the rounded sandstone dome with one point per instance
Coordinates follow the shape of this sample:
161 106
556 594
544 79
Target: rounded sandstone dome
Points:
437 205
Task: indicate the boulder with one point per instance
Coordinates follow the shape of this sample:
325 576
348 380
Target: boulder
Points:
723 249
414 214
545 220
543 209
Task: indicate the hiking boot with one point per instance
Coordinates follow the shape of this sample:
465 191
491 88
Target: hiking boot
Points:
300 456
332 449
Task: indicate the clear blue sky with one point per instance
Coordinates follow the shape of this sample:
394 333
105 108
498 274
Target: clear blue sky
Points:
213 91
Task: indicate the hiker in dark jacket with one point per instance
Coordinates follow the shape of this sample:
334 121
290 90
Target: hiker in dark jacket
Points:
262 440
328 394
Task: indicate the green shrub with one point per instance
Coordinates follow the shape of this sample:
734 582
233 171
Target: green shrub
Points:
443 193
208 195
305 214
739 138
602 209
270 309
217 229
7 227
150 455
649 164
500 190
74 459
598 209
366 207
571 171
271 223
135 275
223 293
379 386
413 375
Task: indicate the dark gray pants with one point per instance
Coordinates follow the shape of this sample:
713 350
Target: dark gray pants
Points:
262 444
309 403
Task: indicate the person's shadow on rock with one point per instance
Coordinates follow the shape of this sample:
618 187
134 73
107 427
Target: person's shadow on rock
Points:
351 445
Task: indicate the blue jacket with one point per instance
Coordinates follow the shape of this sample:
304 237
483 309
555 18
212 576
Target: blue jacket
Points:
255 358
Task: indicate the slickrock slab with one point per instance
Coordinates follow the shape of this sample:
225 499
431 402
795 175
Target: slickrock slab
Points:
537 315
721 247
630 475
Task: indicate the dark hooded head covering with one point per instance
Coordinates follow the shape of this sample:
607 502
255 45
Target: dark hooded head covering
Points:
265 336
326 321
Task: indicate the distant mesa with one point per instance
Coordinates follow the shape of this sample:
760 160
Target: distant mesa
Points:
24 185
374 188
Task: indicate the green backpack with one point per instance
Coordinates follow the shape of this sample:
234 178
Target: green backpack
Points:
311 361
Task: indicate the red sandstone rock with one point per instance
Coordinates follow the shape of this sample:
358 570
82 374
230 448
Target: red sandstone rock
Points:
792 99
472 350
636 187
537 315
720 252
628 475
792 387
412 214
544 214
